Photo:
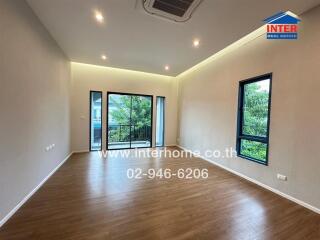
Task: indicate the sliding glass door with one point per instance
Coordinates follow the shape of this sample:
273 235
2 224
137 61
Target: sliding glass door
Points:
95 121
160 122
129 121
141 121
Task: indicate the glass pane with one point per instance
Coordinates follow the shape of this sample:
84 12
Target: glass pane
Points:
96 122
160 122
141 121
119 110
252 149
255 108
129 121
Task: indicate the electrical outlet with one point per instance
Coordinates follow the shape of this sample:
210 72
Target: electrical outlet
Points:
50 147
282 177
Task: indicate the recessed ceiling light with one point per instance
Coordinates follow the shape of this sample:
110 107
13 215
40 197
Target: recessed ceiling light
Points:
196 42
167 67
99 17
103 57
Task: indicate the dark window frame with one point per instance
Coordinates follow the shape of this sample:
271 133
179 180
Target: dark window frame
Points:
164 120
90 119
107 117
240 135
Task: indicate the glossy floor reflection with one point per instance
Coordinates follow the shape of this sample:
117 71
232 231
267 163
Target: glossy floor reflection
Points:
126 145
92 198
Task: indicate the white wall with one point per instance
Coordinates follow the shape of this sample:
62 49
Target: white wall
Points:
34 103
208 108
89 77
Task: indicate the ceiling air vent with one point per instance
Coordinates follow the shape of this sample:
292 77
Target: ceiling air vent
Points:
176 10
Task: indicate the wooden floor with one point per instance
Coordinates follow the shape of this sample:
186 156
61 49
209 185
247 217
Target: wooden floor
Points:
92 198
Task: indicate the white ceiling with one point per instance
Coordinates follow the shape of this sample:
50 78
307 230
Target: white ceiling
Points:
133 39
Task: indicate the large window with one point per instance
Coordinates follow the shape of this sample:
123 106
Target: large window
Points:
160 122
254 118
129 121
95 121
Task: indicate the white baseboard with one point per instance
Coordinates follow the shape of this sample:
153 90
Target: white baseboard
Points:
26 198
293 199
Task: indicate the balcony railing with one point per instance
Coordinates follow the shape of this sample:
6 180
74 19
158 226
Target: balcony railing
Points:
126 133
